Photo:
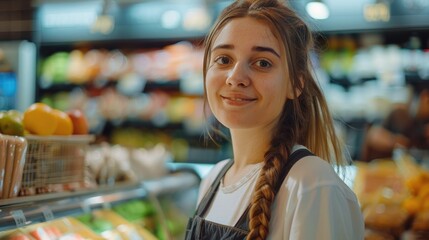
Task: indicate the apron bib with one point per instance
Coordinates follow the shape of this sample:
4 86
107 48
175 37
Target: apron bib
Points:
200 229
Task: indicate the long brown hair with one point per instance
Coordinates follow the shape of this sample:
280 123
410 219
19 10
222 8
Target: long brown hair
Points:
305 118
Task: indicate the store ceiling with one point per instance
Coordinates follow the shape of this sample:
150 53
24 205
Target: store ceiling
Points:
17 19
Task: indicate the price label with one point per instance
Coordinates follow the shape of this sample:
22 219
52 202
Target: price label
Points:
85 207
107 205
19 217
47 213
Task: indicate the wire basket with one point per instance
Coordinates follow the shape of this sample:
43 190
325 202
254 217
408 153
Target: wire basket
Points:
54 160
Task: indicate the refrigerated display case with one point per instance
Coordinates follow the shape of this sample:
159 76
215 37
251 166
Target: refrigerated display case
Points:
172 200
17 74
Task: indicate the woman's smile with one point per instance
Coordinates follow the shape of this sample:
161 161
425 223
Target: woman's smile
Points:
237 99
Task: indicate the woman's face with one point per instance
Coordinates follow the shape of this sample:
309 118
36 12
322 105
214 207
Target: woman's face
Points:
247 81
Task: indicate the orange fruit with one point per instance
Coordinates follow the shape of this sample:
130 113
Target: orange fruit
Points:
412 205
80 122
39 119
65 124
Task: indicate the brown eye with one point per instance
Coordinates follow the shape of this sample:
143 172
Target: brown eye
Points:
263 64
223 60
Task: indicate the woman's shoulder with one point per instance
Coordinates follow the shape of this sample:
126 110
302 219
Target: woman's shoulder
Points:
312 172
313 168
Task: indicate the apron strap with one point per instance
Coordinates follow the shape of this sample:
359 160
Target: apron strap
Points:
243 222
206 201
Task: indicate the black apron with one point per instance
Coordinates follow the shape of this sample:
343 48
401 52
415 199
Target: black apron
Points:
200 229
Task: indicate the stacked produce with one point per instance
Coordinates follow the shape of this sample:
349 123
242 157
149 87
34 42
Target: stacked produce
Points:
109 225
99 224
60 229
31 157
40 119
170 224
142 213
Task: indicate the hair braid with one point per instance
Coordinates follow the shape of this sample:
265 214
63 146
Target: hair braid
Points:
269 178
260 210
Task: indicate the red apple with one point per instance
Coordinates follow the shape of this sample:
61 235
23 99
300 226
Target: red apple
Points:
80 122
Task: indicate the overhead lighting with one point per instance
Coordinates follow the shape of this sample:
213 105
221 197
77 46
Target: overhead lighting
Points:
196 19
104 23
317 9
378 11
170 19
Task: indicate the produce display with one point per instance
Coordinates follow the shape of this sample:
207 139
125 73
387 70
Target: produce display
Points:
99 224
42 149
43 120
144 214
60 229
154 92
109 225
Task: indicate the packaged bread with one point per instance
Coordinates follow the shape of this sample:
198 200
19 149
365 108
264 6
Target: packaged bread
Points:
18 166
3 153
10 152
377 235
391 219
379 182
12 160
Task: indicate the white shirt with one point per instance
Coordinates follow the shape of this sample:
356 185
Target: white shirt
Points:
312 203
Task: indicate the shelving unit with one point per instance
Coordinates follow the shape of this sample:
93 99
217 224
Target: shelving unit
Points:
23 211
132 36
21 56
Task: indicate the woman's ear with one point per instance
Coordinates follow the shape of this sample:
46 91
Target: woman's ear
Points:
295 90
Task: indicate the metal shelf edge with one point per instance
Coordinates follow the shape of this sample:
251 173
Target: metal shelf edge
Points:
58 205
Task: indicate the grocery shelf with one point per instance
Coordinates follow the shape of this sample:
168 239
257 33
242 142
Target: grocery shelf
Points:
66 85
23 211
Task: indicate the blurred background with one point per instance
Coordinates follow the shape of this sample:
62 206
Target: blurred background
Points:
134 67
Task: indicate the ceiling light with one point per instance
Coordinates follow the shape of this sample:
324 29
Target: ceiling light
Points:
170 19
317 9
104 23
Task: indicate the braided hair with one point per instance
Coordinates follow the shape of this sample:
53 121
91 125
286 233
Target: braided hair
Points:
305 118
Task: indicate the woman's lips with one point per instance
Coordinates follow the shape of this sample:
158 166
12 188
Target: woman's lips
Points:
237 100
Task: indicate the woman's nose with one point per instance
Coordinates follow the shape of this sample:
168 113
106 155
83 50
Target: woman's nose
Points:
238 76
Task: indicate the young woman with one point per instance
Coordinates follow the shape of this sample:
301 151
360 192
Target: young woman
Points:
280 183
